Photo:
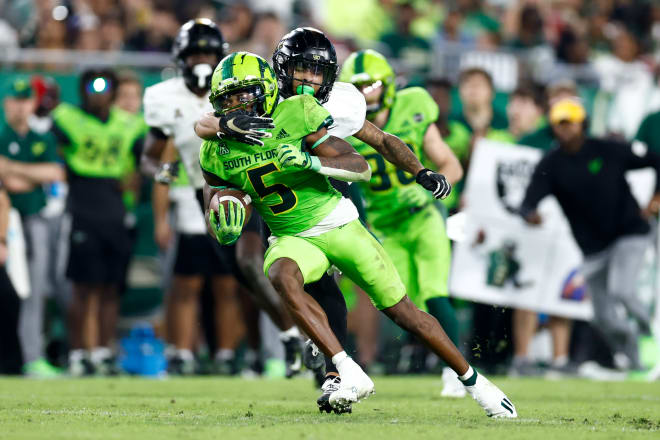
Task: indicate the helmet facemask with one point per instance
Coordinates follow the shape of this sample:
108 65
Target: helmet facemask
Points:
298 72
248 99
369 89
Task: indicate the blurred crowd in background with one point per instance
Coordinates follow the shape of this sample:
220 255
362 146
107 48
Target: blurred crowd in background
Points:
492 66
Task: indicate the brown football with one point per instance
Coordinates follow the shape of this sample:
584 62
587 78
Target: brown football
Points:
225 195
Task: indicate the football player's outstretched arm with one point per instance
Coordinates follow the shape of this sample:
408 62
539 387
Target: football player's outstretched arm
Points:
441 155
393 149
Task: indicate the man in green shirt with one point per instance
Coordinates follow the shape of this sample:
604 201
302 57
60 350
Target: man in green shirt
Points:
402 44
28 160
98 142
403 215
477 91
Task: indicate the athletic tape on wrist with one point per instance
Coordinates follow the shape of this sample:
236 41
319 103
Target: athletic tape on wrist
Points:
320 141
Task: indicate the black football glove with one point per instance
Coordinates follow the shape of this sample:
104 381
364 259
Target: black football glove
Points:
434 182
167 173
244 128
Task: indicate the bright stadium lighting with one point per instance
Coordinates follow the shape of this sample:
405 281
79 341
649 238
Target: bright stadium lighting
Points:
99 85
60 13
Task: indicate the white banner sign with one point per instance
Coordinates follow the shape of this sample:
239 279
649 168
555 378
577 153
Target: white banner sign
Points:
501 260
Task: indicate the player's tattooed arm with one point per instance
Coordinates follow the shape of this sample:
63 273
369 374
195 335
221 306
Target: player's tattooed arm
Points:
208 126
441 155
336 158
393 149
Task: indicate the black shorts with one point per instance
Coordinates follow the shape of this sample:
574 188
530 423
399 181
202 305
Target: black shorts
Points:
98 251
195 256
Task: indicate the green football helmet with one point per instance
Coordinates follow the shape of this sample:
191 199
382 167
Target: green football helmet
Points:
368 67
244 72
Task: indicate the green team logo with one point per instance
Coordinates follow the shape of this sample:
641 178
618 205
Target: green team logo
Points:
595 165
38 148
222 149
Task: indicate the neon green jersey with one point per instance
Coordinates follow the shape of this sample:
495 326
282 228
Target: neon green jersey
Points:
96 148
387 202
290 201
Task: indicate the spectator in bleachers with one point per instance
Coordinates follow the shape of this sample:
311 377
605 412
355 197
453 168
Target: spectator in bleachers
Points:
529 30
157 35
413 51
28 160
451 30
477 20
476 90
236 24
626 83
572 59
266 34
525 111
112 31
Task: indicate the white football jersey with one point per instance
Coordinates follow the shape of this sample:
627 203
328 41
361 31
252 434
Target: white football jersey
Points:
348 109
171 107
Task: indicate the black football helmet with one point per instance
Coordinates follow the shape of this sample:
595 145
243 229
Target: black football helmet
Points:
195 36
306 48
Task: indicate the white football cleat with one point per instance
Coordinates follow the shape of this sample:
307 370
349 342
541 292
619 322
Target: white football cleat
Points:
355 385
491 399
451 386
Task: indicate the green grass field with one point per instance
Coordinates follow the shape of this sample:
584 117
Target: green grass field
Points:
403 408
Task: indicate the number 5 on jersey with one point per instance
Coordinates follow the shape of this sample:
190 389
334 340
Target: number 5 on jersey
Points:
256 176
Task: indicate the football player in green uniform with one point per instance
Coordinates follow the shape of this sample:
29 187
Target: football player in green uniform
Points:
401 214
98 142
305 62
313 226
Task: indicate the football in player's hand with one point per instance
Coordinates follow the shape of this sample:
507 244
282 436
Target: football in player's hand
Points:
225 195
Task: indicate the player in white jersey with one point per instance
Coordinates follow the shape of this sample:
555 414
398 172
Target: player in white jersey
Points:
171 108
305 62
